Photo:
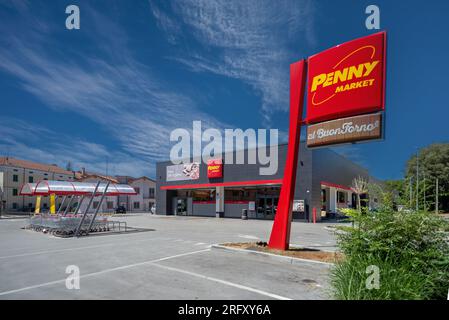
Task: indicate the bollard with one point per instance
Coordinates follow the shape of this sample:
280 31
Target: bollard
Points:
314 215
244 214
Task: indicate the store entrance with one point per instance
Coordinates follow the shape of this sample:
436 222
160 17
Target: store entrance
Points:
266 206
182 206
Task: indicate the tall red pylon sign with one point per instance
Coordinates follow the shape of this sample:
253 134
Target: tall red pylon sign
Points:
280 233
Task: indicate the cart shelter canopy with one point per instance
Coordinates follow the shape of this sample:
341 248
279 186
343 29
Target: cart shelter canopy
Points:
67 188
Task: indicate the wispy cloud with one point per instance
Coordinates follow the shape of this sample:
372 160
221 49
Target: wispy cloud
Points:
116 91
24 140
248 40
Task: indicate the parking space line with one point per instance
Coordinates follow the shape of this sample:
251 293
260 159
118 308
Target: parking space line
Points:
228 283
78 248
150 262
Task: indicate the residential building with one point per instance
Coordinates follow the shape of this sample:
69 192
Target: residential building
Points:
15 172
146 194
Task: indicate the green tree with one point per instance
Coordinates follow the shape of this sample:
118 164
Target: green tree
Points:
69 166
433 163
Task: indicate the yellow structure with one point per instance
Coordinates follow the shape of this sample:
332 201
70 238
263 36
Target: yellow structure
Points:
52 203
38 205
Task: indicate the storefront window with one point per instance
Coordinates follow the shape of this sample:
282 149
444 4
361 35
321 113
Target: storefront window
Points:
203 195
341 197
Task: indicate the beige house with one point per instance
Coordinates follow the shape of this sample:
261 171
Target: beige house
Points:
15 172
146 194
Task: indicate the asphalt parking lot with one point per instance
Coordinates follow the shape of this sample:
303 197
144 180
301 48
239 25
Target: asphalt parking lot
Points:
171 259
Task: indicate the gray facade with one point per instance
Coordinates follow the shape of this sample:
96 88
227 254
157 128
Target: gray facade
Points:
320 171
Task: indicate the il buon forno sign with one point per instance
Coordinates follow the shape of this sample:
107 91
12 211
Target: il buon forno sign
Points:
345 130
347 127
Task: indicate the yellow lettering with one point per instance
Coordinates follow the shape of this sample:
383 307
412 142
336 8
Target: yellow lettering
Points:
340 76
369 67
317 80
339 89
357 72
329 79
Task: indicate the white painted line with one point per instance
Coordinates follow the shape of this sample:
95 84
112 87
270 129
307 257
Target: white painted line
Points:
53 251
247 236
277 256
231 284
73 249
102 272
199 243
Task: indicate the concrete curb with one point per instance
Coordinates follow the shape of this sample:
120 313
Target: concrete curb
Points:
290 260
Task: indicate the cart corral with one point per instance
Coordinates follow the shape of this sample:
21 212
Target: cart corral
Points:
68 223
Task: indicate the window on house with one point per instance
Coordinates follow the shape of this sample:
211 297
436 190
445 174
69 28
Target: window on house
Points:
15 170
14 192
151 192
31 172
30 204
14 205
15 177
95 204
110 205
30 179
136 205
137 190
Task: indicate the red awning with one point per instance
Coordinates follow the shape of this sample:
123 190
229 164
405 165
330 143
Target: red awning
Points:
334 185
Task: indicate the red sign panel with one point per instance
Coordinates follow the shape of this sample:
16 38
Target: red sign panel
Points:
347 80
215 168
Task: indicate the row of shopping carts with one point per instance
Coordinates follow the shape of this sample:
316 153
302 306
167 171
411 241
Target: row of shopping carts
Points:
67 225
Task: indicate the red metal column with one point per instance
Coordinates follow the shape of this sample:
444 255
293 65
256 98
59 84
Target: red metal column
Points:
280 233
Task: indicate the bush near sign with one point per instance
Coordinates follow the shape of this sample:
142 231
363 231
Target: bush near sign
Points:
365 127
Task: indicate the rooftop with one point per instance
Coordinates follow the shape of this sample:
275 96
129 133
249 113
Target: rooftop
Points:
8 161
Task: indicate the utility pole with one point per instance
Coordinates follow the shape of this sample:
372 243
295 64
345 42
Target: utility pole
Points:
436 197
424 174
417 180
410 185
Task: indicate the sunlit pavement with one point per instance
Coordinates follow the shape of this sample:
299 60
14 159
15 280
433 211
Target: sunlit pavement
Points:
170 259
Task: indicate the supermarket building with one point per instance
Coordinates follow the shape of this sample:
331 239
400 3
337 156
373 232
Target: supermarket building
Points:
323 182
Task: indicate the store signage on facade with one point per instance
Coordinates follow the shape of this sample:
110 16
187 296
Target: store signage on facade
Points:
184 171
347 80
346 130
215 168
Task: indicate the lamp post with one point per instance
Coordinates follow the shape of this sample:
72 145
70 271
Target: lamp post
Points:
436 197
417 180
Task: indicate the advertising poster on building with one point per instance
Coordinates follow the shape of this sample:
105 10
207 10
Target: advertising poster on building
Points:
185 171
298 205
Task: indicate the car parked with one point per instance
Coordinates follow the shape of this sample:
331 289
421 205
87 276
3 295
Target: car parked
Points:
120 209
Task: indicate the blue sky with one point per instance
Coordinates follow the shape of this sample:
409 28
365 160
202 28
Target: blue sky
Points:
107 96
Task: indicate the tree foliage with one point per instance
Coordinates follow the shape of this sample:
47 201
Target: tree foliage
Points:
433 163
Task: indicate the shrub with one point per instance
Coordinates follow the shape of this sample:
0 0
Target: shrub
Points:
410 248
